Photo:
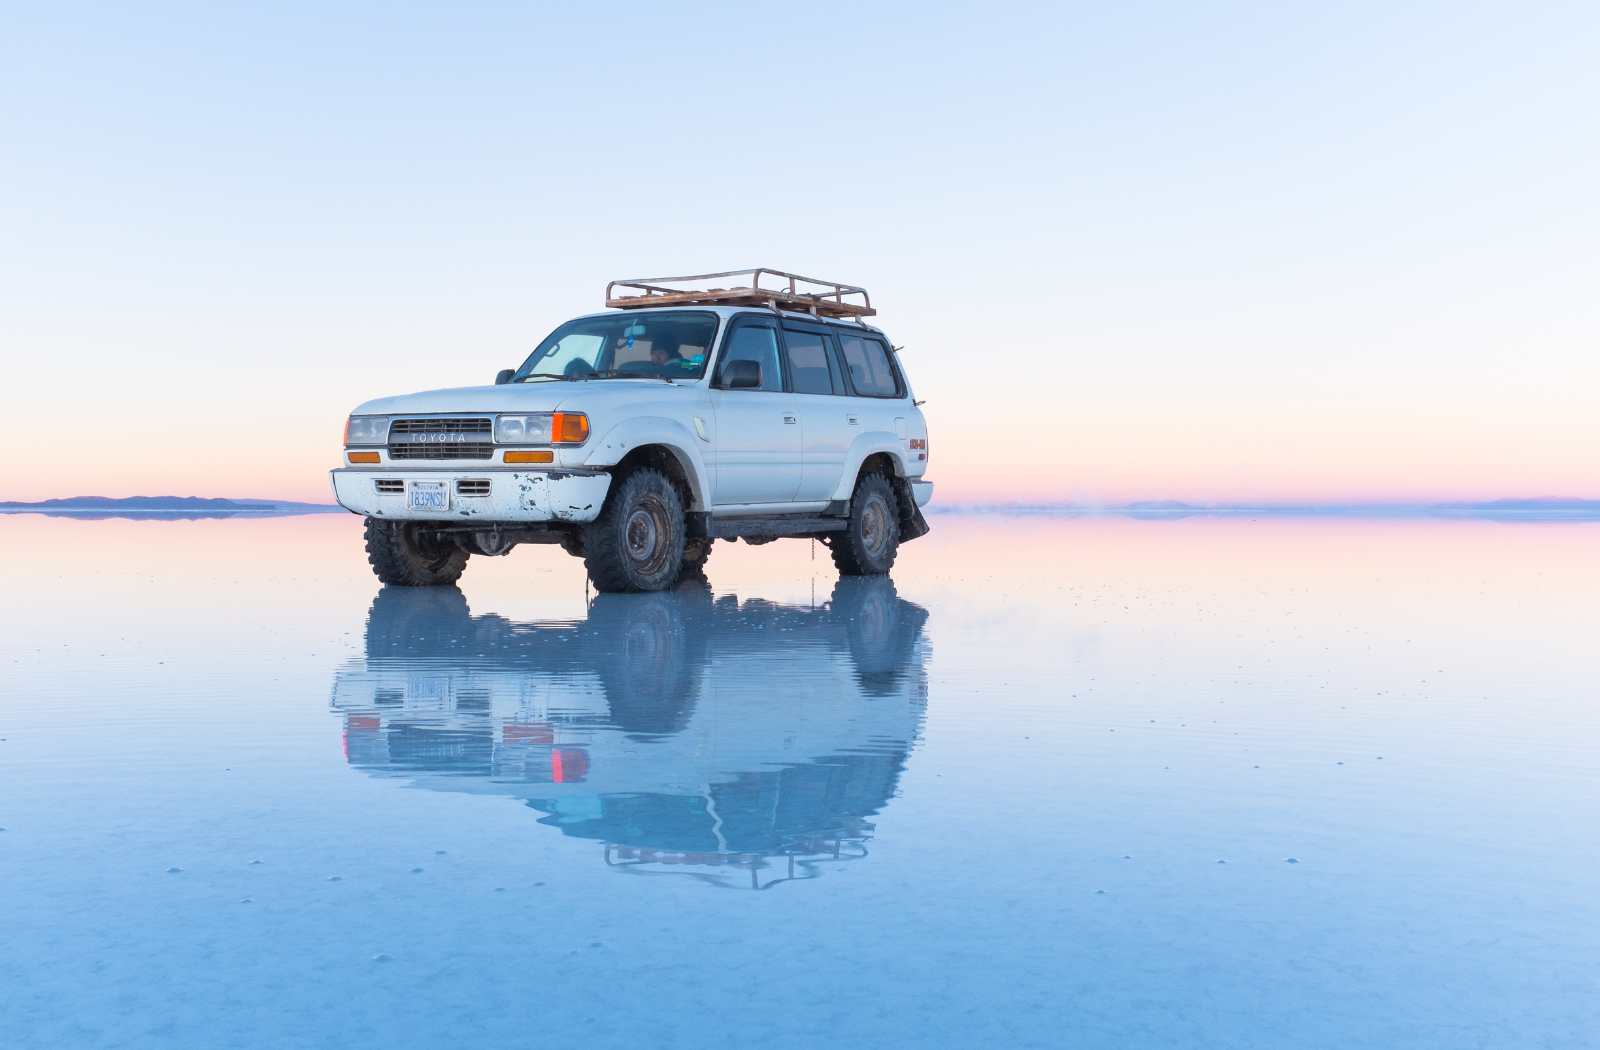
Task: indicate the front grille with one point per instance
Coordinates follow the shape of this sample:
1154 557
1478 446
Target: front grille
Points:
463 450
444 437
472 487
442 425
390 486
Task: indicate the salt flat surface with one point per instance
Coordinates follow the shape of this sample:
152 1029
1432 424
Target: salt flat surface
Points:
1061 782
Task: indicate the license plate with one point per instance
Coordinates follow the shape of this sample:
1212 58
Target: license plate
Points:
428 495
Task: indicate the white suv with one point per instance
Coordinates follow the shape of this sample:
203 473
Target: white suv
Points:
637 437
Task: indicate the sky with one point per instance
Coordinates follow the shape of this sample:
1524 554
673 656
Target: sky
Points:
1224 252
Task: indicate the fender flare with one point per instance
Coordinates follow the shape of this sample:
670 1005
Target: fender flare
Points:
869 443
672 435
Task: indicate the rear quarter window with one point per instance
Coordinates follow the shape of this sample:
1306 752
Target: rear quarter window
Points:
867 360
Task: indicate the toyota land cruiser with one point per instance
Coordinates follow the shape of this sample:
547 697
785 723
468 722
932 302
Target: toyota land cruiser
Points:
637 437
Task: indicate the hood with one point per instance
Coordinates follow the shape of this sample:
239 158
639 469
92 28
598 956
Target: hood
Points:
511 397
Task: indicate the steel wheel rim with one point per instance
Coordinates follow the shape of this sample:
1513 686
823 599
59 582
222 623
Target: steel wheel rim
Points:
874 527
644 536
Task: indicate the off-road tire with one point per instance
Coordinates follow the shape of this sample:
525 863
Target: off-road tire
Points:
869 543
636 544
406 554
695 553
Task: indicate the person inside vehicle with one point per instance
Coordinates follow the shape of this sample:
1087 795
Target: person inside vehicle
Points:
665 359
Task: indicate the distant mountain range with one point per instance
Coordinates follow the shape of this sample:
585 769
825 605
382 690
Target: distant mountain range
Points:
1537 504
164 507
1545 503
1159 504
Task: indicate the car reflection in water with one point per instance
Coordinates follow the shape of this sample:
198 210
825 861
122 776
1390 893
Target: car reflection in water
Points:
745 743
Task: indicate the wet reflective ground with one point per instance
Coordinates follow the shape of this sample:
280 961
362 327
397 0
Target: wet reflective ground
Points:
1060 782
684 732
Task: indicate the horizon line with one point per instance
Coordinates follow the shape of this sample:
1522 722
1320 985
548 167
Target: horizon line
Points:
1546 506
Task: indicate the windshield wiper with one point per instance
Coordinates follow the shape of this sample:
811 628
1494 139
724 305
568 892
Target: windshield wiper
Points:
623 373
546 375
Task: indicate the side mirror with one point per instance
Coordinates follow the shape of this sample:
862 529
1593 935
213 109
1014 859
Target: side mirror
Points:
502 377
741 375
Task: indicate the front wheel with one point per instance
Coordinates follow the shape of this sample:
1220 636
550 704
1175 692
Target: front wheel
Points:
869 543
636 544
409 554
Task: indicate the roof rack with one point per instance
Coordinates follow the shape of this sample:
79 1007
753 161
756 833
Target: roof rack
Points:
821 298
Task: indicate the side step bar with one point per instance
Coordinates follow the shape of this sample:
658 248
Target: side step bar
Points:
702 525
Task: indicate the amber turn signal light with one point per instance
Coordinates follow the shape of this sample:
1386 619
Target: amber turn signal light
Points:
569 428
530 457
362 457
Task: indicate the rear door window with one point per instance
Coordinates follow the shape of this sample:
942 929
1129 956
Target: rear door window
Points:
810 365
867 360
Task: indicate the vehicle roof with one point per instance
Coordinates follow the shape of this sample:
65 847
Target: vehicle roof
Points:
726 312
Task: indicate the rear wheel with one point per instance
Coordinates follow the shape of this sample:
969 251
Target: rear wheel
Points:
410 554
868 545
636 544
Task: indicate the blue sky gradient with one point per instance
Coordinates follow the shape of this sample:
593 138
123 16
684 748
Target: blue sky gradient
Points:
1203 252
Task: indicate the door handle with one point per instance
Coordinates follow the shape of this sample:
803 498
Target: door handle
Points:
852 420
790 419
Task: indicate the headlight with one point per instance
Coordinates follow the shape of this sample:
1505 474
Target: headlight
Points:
532 429
367 430
542 428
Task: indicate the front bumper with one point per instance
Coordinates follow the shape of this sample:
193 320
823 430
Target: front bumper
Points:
514 495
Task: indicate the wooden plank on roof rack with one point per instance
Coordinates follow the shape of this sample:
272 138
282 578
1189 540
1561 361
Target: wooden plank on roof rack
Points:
824 298
743 297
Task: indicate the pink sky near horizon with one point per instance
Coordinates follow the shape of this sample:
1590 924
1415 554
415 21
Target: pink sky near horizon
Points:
1091 475
1121 421
1114 427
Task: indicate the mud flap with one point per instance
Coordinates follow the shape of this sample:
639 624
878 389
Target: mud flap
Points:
912 524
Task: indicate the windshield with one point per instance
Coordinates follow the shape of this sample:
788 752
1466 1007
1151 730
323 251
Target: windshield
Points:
672 345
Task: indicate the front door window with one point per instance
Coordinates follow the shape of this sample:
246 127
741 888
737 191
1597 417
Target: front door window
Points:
758 343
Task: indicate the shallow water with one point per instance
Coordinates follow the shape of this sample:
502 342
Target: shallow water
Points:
1060 782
